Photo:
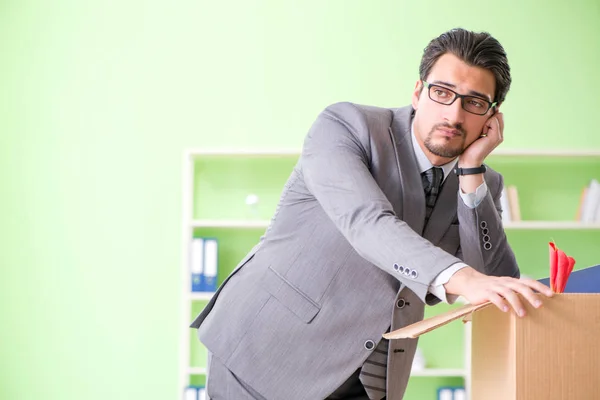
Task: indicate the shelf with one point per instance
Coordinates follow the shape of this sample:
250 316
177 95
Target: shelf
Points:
243 153
218 182
544 153
439 372
241 224
431 372
196 371
296 153
254 224
201 295
551 225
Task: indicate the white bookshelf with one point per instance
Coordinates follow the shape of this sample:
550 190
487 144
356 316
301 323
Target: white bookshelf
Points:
257 153
196 371
203 296
553 225
234 224
439 372
464 373
544 153
256 224
190 156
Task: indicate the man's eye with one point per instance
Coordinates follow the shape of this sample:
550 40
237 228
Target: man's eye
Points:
476 103
441 93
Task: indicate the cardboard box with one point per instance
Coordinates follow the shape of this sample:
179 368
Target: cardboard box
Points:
553 353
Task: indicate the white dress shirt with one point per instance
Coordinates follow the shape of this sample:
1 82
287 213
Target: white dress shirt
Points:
471 200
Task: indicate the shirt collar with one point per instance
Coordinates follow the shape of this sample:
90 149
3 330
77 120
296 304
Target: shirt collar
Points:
422 160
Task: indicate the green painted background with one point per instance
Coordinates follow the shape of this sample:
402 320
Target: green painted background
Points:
99 98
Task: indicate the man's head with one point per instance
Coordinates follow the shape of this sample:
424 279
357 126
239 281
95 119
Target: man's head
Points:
464 63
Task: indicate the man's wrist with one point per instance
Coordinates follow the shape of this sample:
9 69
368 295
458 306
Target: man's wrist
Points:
470 171
469 163
456 281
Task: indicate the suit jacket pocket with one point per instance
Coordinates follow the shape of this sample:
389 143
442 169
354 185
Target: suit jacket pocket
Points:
290 296
451 240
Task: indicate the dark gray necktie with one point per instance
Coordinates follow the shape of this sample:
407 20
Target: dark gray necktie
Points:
432 183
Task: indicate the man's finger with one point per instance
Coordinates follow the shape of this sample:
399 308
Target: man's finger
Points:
512 298
498 301
500 117
527 293
498 128
538 286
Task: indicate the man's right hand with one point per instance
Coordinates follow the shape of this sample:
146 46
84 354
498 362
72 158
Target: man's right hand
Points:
478 288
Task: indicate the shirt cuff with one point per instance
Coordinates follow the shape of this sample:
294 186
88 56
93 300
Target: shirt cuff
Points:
472 200
437 286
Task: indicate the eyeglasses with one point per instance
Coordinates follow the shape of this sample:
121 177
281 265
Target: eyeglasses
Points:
445 96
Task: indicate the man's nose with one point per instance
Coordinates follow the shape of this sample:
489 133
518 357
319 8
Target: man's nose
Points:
454 112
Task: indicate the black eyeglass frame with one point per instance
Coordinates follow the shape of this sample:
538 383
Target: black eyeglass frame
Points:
458 96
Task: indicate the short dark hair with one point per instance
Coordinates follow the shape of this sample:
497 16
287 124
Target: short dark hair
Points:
477 49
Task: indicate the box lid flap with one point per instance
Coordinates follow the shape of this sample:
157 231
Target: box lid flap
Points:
429 324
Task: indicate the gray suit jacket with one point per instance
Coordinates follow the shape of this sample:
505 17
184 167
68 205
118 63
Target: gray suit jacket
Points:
346 242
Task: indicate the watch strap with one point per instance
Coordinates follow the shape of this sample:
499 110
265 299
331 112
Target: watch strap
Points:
470 171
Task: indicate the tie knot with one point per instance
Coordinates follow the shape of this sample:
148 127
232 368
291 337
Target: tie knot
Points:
433 178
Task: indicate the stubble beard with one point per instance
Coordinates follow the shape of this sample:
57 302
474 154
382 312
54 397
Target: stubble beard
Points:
445 150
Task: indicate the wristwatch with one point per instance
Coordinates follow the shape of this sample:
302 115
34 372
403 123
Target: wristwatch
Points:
470 171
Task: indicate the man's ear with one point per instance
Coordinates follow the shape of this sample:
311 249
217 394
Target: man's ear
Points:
417 94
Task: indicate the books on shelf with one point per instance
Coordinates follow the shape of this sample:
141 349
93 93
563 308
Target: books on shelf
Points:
210 265
513 202
588 212
451 393
589 205
203 264
505 206
197 264
509 201
194 393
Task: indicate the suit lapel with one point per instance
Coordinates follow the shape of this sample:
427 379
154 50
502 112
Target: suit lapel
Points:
444 210
413 196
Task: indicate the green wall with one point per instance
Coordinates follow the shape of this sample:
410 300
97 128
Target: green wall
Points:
98 100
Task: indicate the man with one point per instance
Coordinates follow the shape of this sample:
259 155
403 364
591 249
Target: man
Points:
366 233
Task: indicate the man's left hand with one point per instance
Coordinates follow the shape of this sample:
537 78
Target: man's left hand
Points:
491 137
